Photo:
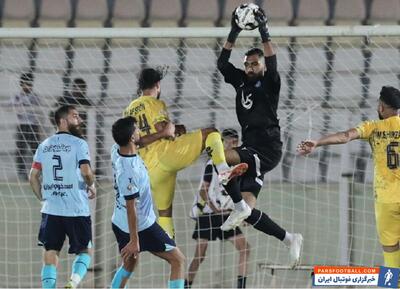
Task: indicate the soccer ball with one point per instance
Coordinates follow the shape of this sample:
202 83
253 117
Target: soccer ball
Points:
244 16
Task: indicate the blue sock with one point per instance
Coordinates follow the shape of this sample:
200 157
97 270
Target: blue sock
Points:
119 276
178 283
79 267
49 276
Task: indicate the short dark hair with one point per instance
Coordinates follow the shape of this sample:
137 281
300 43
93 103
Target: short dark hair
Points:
148 78
62 112
229 132
254 51
123 129
390 96
79 82
26 77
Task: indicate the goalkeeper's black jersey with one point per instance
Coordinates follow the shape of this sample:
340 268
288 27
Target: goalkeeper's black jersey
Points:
256 102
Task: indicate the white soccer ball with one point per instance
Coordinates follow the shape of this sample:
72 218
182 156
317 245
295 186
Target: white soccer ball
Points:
244 16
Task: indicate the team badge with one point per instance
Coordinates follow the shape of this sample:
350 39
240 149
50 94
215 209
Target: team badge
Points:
129 187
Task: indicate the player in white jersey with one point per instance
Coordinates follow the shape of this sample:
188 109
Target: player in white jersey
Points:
133 221
62 179
211 207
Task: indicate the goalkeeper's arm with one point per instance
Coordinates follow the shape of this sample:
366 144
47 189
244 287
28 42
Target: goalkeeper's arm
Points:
262 20
233 34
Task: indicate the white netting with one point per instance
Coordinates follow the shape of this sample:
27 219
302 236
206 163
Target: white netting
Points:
328 84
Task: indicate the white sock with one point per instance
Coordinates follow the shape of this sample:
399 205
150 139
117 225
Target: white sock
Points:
222 167
75 279
288 239
240 206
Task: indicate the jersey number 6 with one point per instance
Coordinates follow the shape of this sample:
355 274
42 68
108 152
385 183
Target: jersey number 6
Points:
393 158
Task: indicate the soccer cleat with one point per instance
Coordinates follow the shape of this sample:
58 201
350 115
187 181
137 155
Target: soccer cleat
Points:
235 171
236 218
295 250
70 285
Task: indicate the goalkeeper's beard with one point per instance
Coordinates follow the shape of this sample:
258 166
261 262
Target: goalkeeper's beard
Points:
75 130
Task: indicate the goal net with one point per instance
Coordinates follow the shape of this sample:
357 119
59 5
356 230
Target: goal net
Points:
331 78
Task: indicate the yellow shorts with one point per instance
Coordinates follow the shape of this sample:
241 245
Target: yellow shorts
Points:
177 155
388 223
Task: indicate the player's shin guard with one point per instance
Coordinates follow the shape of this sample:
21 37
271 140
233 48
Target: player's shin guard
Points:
168 225
233 190
215 149
263 223
79 268
49 276
392 259
178 283
119 277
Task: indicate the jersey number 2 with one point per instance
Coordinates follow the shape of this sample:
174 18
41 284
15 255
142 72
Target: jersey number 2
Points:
57 167
393 158
144 124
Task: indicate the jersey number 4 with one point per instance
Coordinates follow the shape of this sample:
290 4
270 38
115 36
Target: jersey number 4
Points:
144 124
393 156
57 167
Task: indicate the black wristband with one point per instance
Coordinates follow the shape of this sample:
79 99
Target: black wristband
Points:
233 35
264 33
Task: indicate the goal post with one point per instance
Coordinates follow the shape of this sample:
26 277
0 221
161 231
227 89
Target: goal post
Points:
331 77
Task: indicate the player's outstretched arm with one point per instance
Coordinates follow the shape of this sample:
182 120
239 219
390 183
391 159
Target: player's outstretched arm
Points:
131 249
233 34
308 146
262 20
34 180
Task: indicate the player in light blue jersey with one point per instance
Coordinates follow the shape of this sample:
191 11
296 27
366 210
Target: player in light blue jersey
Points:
62 179
134 222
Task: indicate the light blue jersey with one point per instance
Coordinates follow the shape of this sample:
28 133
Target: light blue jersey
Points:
131 181
63 188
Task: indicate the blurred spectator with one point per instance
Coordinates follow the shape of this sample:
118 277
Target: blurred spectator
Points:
76 97
27 106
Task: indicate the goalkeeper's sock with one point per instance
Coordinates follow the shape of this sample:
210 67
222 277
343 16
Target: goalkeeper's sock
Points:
392 259
233 190
168 225
263 223
120 276
49 276
288 239
178 283
215 149
79 268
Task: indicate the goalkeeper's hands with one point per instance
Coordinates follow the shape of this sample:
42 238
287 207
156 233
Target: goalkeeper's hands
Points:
235 29
262 21
306 147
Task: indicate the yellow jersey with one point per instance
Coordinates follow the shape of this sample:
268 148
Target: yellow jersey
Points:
384 139
148 111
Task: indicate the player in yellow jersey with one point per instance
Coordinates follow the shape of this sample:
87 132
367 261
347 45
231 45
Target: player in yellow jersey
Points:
384 137
165 157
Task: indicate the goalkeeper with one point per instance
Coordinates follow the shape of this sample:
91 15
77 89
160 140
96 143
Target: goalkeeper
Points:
165 157
257 95
383 136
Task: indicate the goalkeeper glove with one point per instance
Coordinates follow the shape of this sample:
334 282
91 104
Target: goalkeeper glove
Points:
262 20
235 29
